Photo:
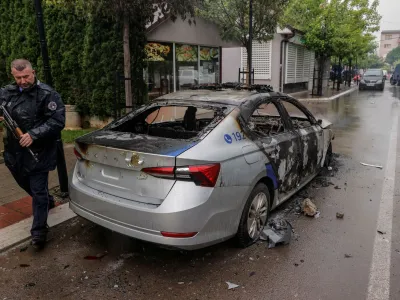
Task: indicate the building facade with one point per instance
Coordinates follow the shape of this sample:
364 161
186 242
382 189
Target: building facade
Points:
390 39
180 55
284 62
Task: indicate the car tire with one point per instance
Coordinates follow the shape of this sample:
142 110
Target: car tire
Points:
328 157
254 216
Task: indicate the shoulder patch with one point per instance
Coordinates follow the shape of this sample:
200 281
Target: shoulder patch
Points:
52 106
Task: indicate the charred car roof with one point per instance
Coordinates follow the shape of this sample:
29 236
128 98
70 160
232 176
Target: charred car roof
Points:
224 96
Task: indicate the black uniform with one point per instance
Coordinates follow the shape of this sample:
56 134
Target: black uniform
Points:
40 112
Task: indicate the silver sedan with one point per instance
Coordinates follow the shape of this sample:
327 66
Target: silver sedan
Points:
195 168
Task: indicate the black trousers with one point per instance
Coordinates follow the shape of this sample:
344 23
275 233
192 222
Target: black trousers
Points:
36 185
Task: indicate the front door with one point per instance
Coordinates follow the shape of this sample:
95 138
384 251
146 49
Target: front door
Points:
311 136
280 144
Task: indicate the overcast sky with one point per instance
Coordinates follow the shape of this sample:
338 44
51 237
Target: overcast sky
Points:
390 12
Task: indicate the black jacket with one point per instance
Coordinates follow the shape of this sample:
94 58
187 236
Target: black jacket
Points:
40 112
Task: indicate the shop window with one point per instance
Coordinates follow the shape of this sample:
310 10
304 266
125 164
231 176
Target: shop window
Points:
159 74
209 65
187 66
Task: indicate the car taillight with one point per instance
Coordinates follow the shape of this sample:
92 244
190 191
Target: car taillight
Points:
204 175
201 175
77 154
163 172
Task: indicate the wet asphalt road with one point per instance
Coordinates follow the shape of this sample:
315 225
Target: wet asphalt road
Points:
328 258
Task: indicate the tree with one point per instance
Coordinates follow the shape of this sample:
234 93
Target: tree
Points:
341 28
232 18
393 56
371 61
132 14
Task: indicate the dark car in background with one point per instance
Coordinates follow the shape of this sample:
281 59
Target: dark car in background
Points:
395 78
373 79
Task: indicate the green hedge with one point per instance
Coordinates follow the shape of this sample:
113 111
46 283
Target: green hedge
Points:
85 53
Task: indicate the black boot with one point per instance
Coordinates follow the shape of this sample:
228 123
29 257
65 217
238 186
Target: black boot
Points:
38 242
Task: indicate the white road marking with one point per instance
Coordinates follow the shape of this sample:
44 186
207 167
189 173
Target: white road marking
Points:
379 280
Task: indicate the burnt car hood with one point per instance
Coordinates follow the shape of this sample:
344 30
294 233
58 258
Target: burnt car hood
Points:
137 143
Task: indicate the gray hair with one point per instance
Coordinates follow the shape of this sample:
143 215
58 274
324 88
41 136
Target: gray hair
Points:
21 64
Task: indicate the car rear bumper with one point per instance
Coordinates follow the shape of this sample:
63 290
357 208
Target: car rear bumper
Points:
213 213
374 87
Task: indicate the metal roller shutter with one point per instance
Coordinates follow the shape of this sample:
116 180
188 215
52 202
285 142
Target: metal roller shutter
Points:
262 60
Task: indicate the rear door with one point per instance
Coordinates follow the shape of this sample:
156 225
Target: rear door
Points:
311 135
272 133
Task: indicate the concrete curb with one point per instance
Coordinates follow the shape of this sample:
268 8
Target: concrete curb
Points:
18 233
331 98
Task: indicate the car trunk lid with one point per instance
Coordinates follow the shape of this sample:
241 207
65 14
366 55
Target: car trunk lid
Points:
112 163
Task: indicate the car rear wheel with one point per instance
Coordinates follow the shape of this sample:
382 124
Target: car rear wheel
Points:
254 216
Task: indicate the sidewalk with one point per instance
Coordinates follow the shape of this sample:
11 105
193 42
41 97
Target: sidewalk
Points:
328 93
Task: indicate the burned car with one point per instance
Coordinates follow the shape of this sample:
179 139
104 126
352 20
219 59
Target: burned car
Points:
198 167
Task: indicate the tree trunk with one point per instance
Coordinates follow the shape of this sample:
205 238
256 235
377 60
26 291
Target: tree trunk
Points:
248 65
320 79
127 65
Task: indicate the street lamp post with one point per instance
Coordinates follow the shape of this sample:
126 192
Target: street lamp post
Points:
61 164
250 41
43 43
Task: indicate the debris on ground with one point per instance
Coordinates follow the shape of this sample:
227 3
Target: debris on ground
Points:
23 249
127 255
66 267
317 215
339 215
252 274
181 282
277 233
309 208
96 257
348 256
337 188
24 265
381 232
231 285
330 168
374 166
30 284
296 264
397 250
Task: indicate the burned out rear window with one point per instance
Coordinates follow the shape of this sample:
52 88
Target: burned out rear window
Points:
176 122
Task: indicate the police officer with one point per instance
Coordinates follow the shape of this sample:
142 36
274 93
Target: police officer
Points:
40 114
